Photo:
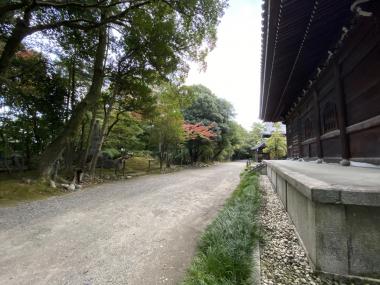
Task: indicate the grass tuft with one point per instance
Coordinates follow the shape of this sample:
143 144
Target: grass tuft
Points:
225 250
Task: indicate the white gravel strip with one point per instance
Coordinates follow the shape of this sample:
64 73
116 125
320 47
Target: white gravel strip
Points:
283 260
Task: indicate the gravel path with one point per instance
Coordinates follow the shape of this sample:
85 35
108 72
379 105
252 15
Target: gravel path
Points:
283 260
140 231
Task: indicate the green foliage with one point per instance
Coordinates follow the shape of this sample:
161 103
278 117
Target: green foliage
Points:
33 95
256 133
97 55
111 152
276 144
128 134
225 250
167 124
240 142
206 108
209 110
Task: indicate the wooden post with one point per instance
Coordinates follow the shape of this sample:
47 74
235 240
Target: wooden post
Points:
342 116
298 123
317 125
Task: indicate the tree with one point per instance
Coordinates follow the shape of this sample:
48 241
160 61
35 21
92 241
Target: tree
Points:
22 18
34 98
161 34
256 133
167 131
198 140
207 109
19 19
240 146
129 92
276 143
56 148
129 134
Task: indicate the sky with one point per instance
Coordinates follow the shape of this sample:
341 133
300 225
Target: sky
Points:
233 67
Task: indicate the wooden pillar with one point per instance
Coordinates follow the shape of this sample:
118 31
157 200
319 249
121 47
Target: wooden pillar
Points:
299 134
317 124
342 116
289 140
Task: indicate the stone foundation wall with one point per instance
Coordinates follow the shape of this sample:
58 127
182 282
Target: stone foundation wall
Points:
339 239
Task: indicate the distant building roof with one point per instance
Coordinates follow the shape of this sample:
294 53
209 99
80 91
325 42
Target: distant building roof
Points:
259 146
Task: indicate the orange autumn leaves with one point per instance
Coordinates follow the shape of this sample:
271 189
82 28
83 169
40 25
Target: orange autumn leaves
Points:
196 131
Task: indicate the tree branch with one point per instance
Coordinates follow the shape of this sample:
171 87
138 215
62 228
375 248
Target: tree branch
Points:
6 8
79 23
110 127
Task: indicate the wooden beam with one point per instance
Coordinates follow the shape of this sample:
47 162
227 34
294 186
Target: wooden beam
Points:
309 141
330 135
342 116
317 124
367 124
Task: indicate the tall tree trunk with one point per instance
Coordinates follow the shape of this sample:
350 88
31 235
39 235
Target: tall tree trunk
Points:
215 157
73 83
19 32
103 132
167 157
161 154
69 156
88 142
55 149
82 135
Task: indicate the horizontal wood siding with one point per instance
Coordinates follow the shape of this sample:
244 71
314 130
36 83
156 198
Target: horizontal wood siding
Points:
365 143
359 64
362 89
331 147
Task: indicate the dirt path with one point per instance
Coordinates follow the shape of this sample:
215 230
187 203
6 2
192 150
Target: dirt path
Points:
141 231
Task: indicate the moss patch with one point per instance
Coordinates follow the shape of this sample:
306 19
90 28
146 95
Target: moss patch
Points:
13 190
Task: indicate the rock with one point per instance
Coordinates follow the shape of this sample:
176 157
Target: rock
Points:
66 186
27 180
78 187
283 260
52 184
69 187
128 177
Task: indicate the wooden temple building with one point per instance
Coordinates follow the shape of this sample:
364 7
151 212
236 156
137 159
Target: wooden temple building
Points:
320 76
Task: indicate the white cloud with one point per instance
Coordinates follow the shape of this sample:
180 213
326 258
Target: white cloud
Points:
233 67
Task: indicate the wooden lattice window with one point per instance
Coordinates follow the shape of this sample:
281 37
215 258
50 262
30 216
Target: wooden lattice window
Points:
329 117
308 129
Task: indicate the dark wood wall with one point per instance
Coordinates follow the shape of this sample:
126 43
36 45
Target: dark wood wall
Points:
340 115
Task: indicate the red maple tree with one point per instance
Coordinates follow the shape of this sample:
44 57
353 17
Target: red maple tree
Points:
195 131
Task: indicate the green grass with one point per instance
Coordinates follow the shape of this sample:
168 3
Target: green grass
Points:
13 190
137 164
225 250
